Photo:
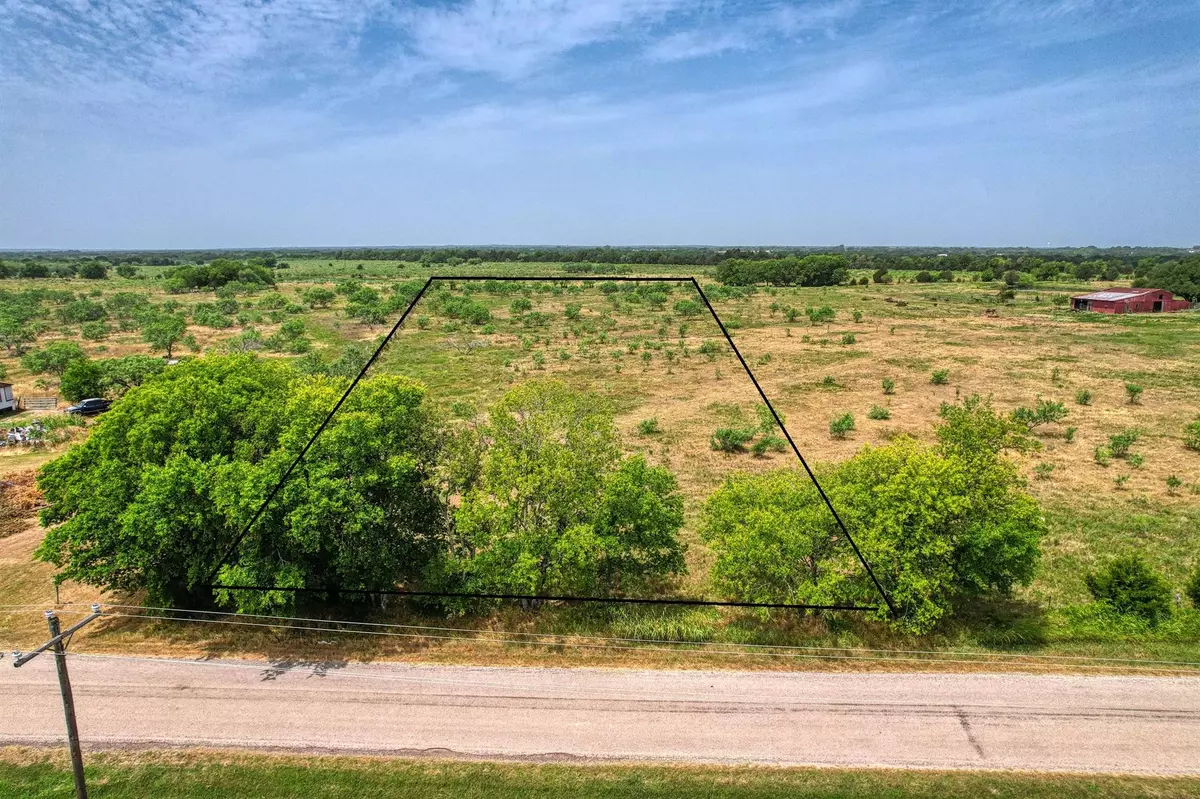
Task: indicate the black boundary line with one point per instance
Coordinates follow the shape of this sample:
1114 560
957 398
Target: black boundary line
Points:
544 597
614 600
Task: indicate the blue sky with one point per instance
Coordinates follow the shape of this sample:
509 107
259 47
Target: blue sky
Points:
151 123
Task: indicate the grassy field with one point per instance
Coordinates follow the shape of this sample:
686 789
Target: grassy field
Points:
39 774
654 363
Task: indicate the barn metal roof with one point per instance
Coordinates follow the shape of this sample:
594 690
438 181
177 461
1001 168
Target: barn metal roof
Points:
1115 296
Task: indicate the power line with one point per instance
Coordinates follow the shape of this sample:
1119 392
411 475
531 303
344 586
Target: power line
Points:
791 655
621 639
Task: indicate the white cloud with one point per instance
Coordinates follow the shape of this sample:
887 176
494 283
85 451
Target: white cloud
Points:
513 38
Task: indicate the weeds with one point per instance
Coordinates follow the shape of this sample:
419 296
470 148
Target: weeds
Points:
841 426
879 413
940 377
889 387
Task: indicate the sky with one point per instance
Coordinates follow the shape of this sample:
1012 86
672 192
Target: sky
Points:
251 123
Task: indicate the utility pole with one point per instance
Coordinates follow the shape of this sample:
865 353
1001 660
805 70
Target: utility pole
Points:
55 644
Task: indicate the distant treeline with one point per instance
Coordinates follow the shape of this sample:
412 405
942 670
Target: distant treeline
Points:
913 258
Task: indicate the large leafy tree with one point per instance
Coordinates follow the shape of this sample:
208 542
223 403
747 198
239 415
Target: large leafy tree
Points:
554 508
171 475
937 523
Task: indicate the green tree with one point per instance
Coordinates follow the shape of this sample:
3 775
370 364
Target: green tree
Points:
554 509
770 536
54 358
122 374
82 379
93 270
936 523
161 488
164 331
318 297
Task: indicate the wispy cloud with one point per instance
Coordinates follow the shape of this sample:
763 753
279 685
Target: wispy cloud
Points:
513 38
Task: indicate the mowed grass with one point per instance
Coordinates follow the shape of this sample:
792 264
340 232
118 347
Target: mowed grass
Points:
40 774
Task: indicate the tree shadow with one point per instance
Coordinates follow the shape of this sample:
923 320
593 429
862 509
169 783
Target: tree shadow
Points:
319 668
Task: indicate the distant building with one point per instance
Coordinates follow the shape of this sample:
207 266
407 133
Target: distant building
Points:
1129 301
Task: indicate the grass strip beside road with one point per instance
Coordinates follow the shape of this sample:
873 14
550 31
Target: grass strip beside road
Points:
40 774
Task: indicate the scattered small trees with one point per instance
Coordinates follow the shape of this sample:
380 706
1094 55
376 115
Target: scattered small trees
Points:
1134 392
164 331
1128 585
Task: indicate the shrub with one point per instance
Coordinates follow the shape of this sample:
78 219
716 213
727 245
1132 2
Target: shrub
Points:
688 308
1173 484
1043 470
54 358
1135 460
1191 435
889 385
1083 397
730 439
1102 455
849 338
1069 434
1120 480
940 377
127 270
1134 392
648 427
829 382
857 315
842 425
1193 587
1119 443
819 315
520 306
769 442
1129 586
879 413
94 331
1044 412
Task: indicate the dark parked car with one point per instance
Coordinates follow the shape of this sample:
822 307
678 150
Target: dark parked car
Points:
90 407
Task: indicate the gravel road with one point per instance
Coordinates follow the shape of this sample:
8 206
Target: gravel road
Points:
1049 723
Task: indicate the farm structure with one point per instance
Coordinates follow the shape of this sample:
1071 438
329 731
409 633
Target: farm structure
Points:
1128 301
7 401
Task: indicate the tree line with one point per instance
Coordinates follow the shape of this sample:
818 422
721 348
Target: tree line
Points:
533 497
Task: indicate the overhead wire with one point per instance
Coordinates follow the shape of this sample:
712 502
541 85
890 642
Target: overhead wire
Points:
606 646
674 642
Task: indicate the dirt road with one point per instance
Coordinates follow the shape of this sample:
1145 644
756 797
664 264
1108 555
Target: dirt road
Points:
1119 724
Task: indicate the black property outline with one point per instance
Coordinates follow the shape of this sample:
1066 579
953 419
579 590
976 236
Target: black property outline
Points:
615 600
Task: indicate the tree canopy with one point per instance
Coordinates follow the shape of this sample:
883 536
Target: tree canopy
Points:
937 523
173 472
554 509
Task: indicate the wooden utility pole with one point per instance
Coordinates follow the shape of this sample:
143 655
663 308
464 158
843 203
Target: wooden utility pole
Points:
55 644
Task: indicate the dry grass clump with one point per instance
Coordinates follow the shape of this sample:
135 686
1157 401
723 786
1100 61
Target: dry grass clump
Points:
19 499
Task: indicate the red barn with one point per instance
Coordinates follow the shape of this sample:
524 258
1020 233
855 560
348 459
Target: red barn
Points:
1129 301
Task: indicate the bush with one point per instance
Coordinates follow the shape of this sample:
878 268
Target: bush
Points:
1044 412
768 442
1083 397
879 413
1134 392
1129 586
1191 435
318 297
688 308
849 338
127 271
520 306
94 331
648 427
93 270
842 425
730 439
54 358
1120 443
1193 588
889 385
940 377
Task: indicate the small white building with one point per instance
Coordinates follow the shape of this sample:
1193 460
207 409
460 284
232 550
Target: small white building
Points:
7 401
